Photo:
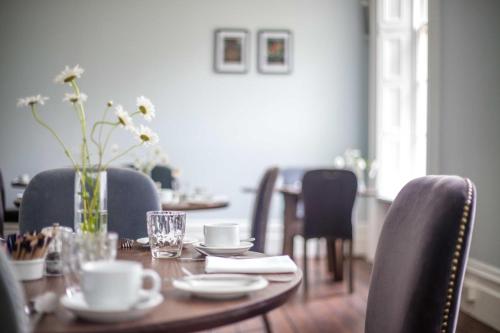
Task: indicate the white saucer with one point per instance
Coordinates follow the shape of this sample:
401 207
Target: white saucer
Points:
77 305
144 241
215 250
220 286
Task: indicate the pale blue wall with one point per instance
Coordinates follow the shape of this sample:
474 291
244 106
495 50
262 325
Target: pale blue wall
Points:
221 130
469 143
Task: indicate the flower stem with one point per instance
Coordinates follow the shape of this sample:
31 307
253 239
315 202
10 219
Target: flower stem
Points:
41 122
122 154
85 155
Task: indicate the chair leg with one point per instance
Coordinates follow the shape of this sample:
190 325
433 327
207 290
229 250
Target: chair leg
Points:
351 277
330 254
267 323
306 287
339 260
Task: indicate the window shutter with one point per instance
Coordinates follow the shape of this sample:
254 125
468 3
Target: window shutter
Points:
393 95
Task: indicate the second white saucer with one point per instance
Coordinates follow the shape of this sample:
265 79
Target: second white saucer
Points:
242 248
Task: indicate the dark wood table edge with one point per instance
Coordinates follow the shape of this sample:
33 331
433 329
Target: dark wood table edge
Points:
194 206
225 317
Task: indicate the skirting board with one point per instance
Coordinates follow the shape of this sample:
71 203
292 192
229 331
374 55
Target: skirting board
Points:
481 293
274 241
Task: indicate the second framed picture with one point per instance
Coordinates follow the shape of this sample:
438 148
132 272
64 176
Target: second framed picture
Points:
275 51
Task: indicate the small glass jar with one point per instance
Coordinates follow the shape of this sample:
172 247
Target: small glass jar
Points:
53 263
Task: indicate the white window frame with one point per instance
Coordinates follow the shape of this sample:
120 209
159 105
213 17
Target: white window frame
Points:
400 146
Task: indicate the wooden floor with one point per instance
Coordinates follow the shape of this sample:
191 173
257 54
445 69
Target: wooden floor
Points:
329 308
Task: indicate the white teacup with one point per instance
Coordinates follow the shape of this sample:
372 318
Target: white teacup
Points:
116 285
222 235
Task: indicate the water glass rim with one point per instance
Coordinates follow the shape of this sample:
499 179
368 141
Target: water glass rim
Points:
166 213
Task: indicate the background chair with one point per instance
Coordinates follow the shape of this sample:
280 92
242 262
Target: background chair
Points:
163 174
2 207
261 208
49 198
328 201
421 257
12 316
6 215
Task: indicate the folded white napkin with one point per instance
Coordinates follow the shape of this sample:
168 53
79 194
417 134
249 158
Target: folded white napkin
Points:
279 264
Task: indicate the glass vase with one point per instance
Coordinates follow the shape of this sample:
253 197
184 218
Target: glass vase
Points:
91 201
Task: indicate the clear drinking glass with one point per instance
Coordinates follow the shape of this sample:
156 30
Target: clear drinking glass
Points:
79 248
166 231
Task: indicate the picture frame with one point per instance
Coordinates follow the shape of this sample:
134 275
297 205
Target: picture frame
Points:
275 51
231 51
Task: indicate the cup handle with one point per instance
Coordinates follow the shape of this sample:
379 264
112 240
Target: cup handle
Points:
155 279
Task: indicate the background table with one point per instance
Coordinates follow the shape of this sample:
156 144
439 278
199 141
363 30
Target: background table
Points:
180 312
189 206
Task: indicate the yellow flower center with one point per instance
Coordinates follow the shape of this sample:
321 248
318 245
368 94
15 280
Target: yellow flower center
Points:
144 137
32 103
73 100
70 78
143 109
121 121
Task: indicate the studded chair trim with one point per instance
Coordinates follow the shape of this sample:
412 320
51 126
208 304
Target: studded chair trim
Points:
449 319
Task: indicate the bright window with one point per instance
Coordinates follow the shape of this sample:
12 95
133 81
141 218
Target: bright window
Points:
401 92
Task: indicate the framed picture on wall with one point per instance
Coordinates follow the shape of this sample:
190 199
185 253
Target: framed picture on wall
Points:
231 51
274 51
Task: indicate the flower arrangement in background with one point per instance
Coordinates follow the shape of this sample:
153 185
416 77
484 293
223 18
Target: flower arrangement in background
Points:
157 156
98 138
353 161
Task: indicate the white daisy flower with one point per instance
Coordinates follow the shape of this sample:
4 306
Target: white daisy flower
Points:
124 118
146 108
74 98
69 74
31 100
147 136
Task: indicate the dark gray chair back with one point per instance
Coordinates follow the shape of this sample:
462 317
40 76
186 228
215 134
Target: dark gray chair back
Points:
421 257
49 198
2 204
261 209
162 174
328 201
12 316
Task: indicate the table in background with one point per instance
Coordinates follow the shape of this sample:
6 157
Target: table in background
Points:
190 206
179 312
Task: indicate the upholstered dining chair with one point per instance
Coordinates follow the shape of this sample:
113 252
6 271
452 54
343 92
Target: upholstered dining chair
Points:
2 205
163 174
421 257
262 205
12 316
6 215
49 198
329 197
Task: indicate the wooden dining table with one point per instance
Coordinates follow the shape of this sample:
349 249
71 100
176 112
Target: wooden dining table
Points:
179 312
192 206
